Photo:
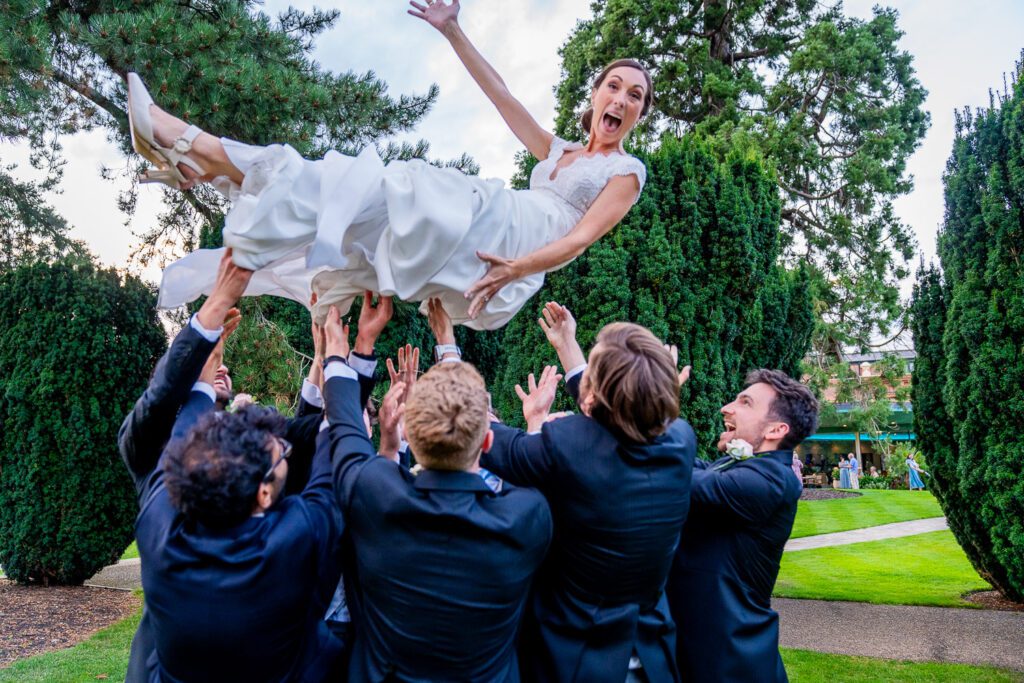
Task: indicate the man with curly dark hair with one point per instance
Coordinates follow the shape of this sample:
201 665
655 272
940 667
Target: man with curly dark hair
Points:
237 576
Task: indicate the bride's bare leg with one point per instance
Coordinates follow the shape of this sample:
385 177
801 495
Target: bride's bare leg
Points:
207 150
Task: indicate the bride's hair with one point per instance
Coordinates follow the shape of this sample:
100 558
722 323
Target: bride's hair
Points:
588 115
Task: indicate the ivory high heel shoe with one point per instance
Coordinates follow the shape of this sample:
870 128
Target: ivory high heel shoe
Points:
140 124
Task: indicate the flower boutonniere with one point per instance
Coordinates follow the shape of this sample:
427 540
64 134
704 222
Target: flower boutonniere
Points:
738 450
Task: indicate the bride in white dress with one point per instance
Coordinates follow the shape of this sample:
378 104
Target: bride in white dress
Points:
342 225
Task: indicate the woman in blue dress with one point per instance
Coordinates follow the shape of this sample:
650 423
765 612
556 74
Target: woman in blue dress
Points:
844 473
914 474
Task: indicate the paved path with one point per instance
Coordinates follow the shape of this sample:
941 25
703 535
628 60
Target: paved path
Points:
943 634
125 575
871 533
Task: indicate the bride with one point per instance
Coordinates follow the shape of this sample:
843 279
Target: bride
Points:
342 225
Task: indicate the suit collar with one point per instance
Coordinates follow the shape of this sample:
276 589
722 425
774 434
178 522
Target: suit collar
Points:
449 480
785 457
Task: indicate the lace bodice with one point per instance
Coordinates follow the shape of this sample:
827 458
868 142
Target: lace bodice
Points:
579 183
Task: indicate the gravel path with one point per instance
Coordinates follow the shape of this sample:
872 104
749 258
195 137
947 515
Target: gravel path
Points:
941 634
871 533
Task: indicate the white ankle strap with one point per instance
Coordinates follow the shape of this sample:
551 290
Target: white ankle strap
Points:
184 142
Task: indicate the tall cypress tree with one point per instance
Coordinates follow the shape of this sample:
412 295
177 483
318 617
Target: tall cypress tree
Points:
694 261
972 430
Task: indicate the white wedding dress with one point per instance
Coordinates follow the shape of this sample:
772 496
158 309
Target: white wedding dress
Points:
342 225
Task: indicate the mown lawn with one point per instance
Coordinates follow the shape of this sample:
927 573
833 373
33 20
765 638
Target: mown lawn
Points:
873 508
102 657
105 657
131 552
926 569
804 666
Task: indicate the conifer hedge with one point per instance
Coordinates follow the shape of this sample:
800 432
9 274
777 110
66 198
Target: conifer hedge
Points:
77 344
968 324
696 262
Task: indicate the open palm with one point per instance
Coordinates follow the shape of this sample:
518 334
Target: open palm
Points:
436 12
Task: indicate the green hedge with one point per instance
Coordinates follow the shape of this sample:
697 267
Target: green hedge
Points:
77 344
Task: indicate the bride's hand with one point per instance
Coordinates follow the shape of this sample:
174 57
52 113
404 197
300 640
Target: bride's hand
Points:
436 12
500 272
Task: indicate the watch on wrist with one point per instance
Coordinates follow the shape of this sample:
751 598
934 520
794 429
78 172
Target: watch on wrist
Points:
442 349
331 359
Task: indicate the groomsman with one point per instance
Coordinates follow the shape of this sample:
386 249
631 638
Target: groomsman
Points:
236 575
617 478
741 514
442 563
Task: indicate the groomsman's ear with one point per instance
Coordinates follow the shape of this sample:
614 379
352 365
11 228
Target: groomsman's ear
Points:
777 432
485 447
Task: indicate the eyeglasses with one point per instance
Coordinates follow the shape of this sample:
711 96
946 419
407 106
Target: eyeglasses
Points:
286 451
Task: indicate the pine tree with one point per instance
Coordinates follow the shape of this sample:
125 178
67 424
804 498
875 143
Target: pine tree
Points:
971 382
694 261
77 344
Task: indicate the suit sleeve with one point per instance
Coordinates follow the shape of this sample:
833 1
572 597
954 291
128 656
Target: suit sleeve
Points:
572 385
301 433
146 429
197 405
745 493
344 442
520 458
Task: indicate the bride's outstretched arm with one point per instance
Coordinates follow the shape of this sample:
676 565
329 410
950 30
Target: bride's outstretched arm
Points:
608 209
444 17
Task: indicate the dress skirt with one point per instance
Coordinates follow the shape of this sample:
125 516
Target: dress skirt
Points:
341 225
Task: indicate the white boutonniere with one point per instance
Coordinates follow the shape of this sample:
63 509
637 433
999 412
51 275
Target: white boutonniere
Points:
738 450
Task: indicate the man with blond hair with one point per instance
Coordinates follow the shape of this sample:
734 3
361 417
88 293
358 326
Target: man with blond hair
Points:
442 564
617 478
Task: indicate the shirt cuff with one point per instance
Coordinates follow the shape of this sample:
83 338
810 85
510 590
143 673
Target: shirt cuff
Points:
311 394
450 359
575 371
205 388
339 369
208 335
362 365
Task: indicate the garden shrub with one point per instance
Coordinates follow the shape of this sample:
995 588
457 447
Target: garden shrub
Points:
77 344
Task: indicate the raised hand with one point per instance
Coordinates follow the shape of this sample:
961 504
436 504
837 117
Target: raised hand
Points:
500 272
560 328
232 319
392 408
227 290
336 334
537 403
440 322
372 321
408 368
316 371
684 374
436 13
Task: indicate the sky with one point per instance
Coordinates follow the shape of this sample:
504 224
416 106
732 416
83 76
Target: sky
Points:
960 50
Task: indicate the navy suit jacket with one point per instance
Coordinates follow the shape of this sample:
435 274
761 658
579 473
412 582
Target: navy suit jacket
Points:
618 510
244 603
722 579
442 564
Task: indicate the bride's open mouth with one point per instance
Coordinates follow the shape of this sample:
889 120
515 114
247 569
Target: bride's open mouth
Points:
610 122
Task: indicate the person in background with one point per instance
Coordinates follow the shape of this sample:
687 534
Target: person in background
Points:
873 472
798 468
914 473
854 472
844 471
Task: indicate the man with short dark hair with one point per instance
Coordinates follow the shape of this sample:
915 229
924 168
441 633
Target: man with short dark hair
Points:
237 576
741 514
